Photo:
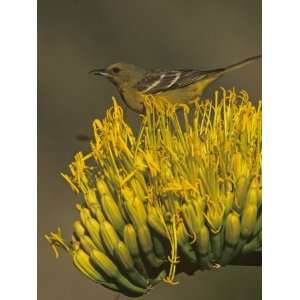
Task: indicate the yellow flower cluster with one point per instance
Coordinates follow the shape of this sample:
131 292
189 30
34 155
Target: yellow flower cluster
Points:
185 192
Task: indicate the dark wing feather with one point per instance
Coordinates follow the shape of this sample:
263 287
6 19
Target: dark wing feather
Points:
157 81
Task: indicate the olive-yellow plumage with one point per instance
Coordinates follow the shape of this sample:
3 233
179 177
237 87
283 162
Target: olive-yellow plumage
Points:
175 86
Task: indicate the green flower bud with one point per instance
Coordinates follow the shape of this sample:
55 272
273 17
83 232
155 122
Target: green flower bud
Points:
232 229
248 222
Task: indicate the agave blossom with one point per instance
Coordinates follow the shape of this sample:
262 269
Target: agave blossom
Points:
183 195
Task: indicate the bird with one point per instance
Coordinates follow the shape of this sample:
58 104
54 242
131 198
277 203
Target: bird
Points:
175 86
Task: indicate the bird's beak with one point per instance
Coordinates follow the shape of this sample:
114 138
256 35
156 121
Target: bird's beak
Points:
100 72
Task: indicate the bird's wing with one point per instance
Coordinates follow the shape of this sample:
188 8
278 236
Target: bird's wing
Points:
159 81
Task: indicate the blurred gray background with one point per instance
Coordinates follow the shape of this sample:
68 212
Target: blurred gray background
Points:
76 36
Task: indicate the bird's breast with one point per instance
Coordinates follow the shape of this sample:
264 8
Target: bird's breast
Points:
134 100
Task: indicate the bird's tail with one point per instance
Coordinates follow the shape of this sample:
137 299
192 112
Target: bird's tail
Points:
240 64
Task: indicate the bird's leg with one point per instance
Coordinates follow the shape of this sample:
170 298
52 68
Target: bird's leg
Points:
194 101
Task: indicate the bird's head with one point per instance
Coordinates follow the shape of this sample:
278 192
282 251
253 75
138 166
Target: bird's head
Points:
121 74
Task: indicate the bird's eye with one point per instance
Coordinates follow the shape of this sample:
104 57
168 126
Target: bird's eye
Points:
116 70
